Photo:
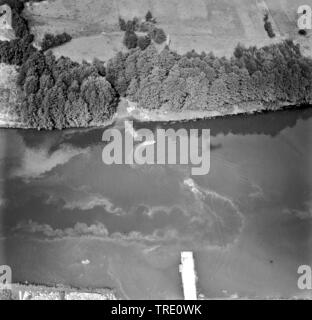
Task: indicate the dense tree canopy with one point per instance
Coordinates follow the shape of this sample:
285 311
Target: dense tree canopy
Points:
50 40
57 93
60 93
273 74
130 39
16 51
268 26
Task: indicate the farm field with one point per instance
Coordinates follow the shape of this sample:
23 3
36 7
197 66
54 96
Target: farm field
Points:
284 12
98 46
202 25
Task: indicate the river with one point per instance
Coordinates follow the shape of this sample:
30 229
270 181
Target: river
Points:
66 217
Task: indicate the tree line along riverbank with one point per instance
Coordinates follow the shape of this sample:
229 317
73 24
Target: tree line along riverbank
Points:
57 93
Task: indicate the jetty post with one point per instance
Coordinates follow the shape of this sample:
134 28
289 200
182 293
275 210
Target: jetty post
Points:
188 274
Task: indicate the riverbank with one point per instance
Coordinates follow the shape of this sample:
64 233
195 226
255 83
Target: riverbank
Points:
127 109
44 292
130 109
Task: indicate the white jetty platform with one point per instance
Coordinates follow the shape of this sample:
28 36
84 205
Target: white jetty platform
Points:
188 274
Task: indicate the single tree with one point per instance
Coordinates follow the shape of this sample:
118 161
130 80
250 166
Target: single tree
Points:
122 24
130 39
144 42
149 16
159 35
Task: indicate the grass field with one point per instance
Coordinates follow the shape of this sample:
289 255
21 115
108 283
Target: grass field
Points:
284 12
87 48
203 25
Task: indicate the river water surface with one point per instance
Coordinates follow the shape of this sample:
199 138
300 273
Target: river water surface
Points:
66 217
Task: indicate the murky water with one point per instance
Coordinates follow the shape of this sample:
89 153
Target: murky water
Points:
66 217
